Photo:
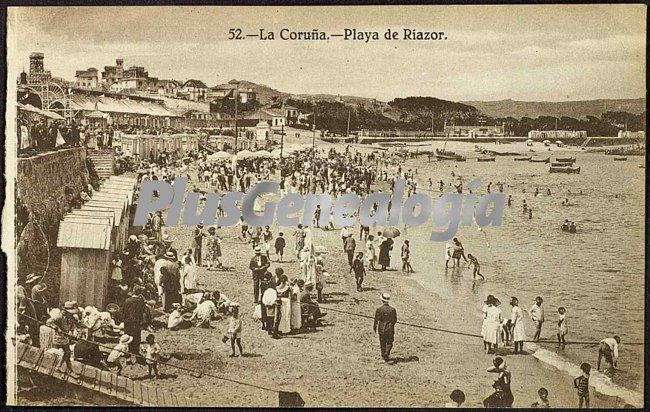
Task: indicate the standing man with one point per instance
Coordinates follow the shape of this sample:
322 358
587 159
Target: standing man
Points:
170 282
135 308
359 270
156 225
197 243
385 320
537 315
608 348
349 245
258 266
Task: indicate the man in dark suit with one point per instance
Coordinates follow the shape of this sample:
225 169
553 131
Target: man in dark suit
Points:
134 308
259 264
385 320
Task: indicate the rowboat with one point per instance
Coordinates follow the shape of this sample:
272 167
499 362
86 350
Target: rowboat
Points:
485 159
620 159
523 159
445 155
564 169
565 159
547 160
555 164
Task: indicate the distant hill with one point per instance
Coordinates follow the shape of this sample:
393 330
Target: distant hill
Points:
576 109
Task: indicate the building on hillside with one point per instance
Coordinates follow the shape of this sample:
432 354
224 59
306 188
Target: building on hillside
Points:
276 118
112 74
87 79
228 91
475 131
291 114
194 90
168 88
557 134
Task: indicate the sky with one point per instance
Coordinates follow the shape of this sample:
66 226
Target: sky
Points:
531 53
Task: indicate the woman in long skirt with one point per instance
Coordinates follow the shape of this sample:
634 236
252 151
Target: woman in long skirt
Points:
296 315
384 253
492 324
518 331
371 256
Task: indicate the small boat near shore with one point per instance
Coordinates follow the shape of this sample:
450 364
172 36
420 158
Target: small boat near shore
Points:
523 159
485 159
565 159
445 155
565 169
547 160
620 159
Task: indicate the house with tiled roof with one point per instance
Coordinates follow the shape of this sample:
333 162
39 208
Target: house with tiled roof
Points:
194 90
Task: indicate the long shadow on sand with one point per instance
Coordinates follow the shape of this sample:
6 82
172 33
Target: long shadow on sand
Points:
400 359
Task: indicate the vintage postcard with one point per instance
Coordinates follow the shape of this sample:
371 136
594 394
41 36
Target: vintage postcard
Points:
342 206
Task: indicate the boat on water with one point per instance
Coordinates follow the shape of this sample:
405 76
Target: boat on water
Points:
547 160
485 159
620 159
566 169
523 159
565 159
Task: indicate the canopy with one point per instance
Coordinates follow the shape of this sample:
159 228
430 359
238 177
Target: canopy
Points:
275 154
219 156
546 141
96 114
245 154
262 154
559 142
46 113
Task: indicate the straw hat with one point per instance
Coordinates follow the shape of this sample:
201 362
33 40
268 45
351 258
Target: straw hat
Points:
257 250
169 255
55 313
71 307
32 277
126 339
385 297
309 284
489 299
40 287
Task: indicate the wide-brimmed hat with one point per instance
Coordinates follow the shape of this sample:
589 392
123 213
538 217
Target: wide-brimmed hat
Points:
126 339
385 297
165 237
55 313
169 255
489 299
200 225
40 287
309 283
176 305
71 307
257 249
32 277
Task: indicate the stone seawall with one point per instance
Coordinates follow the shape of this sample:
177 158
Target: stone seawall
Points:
45 185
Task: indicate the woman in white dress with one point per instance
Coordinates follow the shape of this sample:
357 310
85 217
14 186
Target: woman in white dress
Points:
371 253
284 294
492 324
517 320
296 315
484 311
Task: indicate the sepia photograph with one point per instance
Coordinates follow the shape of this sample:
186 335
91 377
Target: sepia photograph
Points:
435 206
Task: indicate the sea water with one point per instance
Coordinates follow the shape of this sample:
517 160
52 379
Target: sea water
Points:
597 274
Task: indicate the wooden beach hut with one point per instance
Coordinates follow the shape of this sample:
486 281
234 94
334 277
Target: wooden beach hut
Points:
85 259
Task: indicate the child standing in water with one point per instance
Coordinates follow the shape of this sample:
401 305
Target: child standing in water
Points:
561 327
581 383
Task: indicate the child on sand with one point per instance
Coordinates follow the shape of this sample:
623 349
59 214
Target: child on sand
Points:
542 401
477 266
561 327
119 351
457 398
280 243
152 355
581 383
234 329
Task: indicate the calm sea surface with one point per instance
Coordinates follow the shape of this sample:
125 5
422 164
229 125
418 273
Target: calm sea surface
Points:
597 274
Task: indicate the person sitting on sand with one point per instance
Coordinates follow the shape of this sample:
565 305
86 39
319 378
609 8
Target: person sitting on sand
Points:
502 384
565 225
542 401
457 399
